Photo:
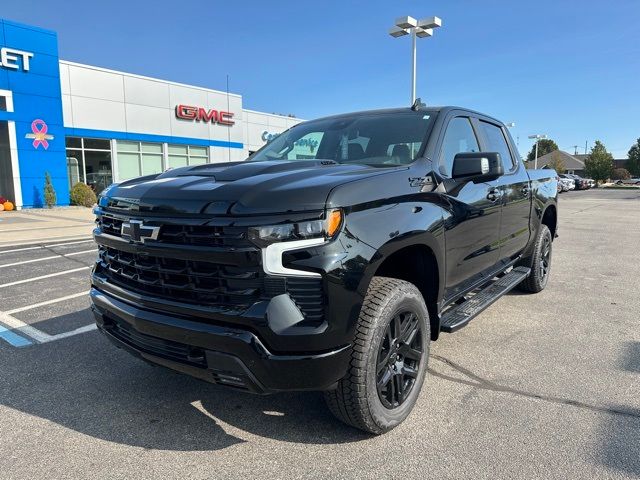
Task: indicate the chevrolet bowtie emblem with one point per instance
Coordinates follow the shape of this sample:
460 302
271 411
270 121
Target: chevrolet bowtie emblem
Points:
138 232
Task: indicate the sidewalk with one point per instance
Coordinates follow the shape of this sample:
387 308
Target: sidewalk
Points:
45 225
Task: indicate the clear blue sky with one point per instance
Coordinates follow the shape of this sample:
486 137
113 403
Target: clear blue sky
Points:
570 69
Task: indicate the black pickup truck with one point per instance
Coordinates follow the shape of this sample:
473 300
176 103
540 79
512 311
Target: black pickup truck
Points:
331 271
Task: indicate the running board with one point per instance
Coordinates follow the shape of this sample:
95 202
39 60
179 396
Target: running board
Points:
460 315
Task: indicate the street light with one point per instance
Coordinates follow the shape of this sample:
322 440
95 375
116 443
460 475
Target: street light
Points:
537 137
416 28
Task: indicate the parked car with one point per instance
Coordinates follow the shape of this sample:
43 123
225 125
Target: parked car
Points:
580 183
567 183
629 181
332 271
592 182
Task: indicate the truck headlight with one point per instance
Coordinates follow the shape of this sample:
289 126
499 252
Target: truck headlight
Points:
326 228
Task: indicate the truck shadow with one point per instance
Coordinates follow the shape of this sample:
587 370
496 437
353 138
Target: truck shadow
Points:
631 359
620 442
86 384
620 436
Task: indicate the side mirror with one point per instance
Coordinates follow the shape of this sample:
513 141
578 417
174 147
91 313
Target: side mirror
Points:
477 166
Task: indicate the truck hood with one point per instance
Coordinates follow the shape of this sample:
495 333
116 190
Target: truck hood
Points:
239 188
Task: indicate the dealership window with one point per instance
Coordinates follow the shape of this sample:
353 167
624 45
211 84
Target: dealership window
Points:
305 147
3 103
6 171
138 158
183 155
89 161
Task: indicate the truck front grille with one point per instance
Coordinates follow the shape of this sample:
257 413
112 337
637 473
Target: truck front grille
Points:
189 281
177 234
193 278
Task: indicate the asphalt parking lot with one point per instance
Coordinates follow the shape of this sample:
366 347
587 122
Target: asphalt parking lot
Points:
538 386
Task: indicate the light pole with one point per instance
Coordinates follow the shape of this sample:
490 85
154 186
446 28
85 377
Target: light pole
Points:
415 28
537 137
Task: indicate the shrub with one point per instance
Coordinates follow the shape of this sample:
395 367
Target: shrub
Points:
49 192
81 194
620 174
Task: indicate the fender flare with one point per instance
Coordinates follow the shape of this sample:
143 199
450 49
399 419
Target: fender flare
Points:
422 239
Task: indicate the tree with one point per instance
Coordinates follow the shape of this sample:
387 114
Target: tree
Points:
49 192
545 145
620 174
633 164
556 162
599 164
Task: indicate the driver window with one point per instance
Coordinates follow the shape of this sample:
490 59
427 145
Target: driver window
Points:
459 138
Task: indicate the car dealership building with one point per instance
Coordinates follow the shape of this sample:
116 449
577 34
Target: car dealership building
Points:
82 123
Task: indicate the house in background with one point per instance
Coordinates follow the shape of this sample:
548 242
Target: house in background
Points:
617 162
572 163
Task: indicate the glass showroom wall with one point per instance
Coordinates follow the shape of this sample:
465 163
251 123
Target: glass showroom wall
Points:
7 133
145 158
89 161
6 172
138 158
183 155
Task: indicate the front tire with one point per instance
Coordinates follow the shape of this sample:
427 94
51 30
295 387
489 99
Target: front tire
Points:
539 262
388 360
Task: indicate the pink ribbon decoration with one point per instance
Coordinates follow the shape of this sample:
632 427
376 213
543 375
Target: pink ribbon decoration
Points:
39 135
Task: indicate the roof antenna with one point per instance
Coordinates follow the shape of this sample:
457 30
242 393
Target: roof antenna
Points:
418 104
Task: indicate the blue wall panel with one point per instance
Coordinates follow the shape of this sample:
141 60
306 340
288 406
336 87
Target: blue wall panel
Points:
36 96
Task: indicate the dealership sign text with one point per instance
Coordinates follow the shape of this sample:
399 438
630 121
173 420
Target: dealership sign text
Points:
200 114
15 59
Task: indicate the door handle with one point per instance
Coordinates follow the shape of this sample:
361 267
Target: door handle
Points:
493 194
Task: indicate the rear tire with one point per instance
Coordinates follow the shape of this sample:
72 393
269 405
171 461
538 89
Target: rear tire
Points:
388 360
539 262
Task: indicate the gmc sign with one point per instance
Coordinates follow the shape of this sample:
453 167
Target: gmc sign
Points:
200 114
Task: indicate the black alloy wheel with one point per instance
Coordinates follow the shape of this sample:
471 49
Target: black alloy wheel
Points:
539 261
545 258
398 361
388 360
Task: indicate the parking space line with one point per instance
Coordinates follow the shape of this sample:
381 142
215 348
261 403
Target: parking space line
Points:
77 331
42 277
38 335
47 302
24 328
13 338
44 246
62 255
30 229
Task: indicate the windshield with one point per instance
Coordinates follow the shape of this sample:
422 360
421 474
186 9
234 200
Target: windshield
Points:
377 139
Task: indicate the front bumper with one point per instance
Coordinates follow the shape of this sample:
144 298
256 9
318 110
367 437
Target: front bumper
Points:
233 357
